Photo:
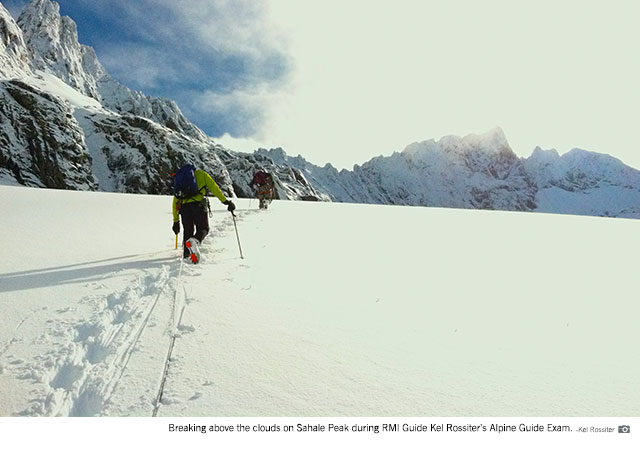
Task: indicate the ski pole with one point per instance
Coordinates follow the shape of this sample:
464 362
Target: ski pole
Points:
176 242
237 235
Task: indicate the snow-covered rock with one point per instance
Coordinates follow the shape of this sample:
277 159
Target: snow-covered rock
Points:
14 58
583 182
134 154
290 181
40 143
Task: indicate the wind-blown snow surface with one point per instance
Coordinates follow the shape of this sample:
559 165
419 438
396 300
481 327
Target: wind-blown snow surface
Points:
336 310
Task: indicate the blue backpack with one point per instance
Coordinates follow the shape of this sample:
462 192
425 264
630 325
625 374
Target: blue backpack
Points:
184 183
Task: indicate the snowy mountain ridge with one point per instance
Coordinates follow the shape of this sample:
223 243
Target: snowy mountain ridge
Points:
66 123
483 172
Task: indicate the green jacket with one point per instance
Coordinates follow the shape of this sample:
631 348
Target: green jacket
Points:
204 180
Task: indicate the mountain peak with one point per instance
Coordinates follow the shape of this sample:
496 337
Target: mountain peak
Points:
42 14
541 154
494 139
46 6
53 44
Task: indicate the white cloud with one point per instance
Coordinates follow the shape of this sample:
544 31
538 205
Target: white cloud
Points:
249 111
233 27
143 67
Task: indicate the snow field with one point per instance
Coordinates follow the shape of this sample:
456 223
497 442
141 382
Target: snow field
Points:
336 310
426 310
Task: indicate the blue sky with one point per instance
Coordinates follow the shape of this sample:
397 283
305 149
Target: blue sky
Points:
342 81
200 53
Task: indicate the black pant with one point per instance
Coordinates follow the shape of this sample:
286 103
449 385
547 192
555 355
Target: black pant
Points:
195 222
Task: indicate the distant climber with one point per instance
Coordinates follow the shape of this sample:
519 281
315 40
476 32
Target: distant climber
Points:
263 184
190 186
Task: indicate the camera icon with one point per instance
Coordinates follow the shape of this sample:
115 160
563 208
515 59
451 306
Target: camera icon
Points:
624 429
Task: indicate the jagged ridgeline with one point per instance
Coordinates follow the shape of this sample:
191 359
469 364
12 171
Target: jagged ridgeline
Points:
66 123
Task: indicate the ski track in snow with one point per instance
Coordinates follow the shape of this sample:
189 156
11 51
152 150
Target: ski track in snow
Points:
93 353
92 356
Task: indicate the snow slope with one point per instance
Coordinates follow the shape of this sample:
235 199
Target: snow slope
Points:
336 310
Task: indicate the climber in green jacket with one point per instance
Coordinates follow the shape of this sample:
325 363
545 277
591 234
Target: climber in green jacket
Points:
189 201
